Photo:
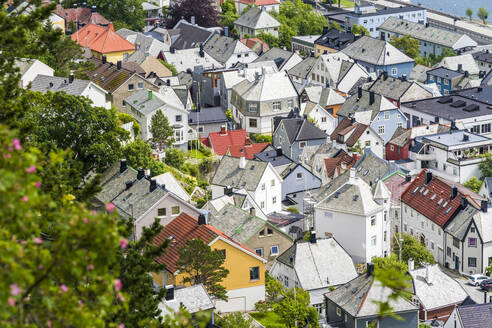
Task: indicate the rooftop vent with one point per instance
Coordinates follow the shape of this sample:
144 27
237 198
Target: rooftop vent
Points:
458 103
445 100
471 108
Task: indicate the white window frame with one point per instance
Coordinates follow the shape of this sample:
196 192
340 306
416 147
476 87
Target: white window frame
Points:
272 252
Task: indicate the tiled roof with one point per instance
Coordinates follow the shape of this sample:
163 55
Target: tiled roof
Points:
221 142
299 129
391 87
81 15
248 151
260 2
344 127
432 200
256 45
44 83
101 39
190 36
228 173
376 52
257 18
334 164
475 315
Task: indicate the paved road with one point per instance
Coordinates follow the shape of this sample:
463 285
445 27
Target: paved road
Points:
475 293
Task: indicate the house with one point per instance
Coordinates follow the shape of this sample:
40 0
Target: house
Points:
152 67
337 165
397 182
315 266
351 135
254 103
206 120
293 224
145 103
486 236
152 13
234 143
297 178
470 316
446 79
255 21
239 198
274 156
257 234
432 40
319 116
304 44
354 304
379 56
260 179
30 68
145 43
419 73
268 5
301 72
483 59
187 35
398 90
167 179
354 204
228 51
368 16
72 86
332 40
284 59
103 42
467 63
313 157
434 292
327 98
486 189
255 44
249 150
139 196
81 16
187 59
293 134
245 283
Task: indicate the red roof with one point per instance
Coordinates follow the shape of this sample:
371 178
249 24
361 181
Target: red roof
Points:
101 39
260 2
220 142
335 163
433 200
396 183
251 42
248 151
81 15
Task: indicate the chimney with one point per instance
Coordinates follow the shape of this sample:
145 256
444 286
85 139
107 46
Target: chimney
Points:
51 85
150 94
104 59
464 202
111 27
169 293
370 269
192 20
483 206
128 185
118 64
252 211
84 4
428 274
71 77
247 142
122 165
404 77
153 185
94 9
454 192
242 162
359 92
479 89
201 52
428 177
460 67
352 176
325 29
168 82
172 50
312 237
279 151
408 178
226 31
140 173
467 74
228 191
371 97
411 264
223 130
202 219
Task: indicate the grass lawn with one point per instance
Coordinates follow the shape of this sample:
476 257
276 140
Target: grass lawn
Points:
345 3
193 153
268 319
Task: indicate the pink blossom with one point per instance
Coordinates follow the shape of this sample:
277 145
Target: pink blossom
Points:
38 240
25 199
121 325
49 324
109 207
17 144
64 288
14 289
86 220
37 184
124 243
11 301
117 285
90 267
121 298
7 155
31 169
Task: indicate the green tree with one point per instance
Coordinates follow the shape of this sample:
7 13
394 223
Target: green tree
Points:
358 30
357 148
162 132
229 14
488 270
388 262
469 13
473 184
409 46
483 14
270 39
175 157
294 309
138 154
228 115
412 248
202 265
234 320
170 67
486 166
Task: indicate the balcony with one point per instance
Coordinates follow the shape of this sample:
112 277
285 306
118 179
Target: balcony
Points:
422 157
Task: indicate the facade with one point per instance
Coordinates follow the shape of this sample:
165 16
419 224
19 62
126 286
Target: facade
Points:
332 40
327 98
297 178
80 17
445 79
245 283
228 51
320 116
255 21
337 165
469 316
355 205
259 178
30 68
304 44
206 120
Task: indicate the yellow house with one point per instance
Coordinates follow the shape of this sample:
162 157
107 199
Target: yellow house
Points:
245 283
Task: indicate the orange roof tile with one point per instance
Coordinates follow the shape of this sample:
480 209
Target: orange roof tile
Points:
101 39
220 142
260 2
248 151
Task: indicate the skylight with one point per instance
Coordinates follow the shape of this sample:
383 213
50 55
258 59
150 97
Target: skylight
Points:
433 197
444 205
440 201
417 188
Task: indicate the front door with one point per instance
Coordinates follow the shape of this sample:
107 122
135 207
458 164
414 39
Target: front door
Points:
457 263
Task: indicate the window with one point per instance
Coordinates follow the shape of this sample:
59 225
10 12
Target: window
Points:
140 85
269 231
299 175
373 221
274 200
399 124
254 273
368 143
394 71
223 251
200 129
472 229
432 245
259 251
386 115
276 106
392 148
262 186
381 129
384 235
472 242
302 144
272 183
476 129
339 312
448 251
131 86
405 227
456 242
179 118
290 104
161 212
472 262
373 241
252 108
262 205
274 250
323 119
345 317
175 210
253 122
262 232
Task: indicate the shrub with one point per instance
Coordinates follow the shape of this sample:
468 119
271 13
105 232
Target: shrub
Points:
175 157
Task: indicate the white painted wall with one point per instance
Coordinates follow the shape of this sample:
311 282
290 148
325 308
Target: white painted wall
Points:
270 196
242 299
37 68
97 95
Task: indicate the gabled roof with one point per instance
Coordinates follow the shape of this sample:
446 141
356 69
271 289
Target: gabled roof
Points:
228 173
277 55
82 16
396 184
257 18
467 63
303 69
271 155
269 86
221 47
248 150
376 52
484 55
333 165
345 127
300 129
401 137
475 315
101 39
44 83
335 39
220 143
146 101
393 88
355 106
256 45
193 298
458 227
189 36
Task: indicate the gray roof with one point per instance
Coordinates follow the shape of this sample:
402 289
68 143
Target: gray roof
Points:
303 68
445 73
354 104
401 137
256 18
460 223
182 94
141 102
228 173
419 73
390 87
455 138
300 129
23 64
271 155
335 39
387 11
475 315
376 52
190 36
220 47
44 83
277 55
113 182
207 115
485 56
359 297
236 223
193 298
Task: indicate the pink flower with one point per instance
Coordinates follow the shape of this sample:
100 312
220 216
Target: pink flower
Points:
17 144
121 325
25 199
11 301
14 289
31 169
124 243
121 298
86 220
117 285
64 288
7 155
49 324
37 184
38 240
90 267
109 207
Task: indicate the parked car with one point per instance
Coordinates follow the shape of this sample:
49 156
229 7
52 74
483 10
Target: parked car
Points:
476 279
486 285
